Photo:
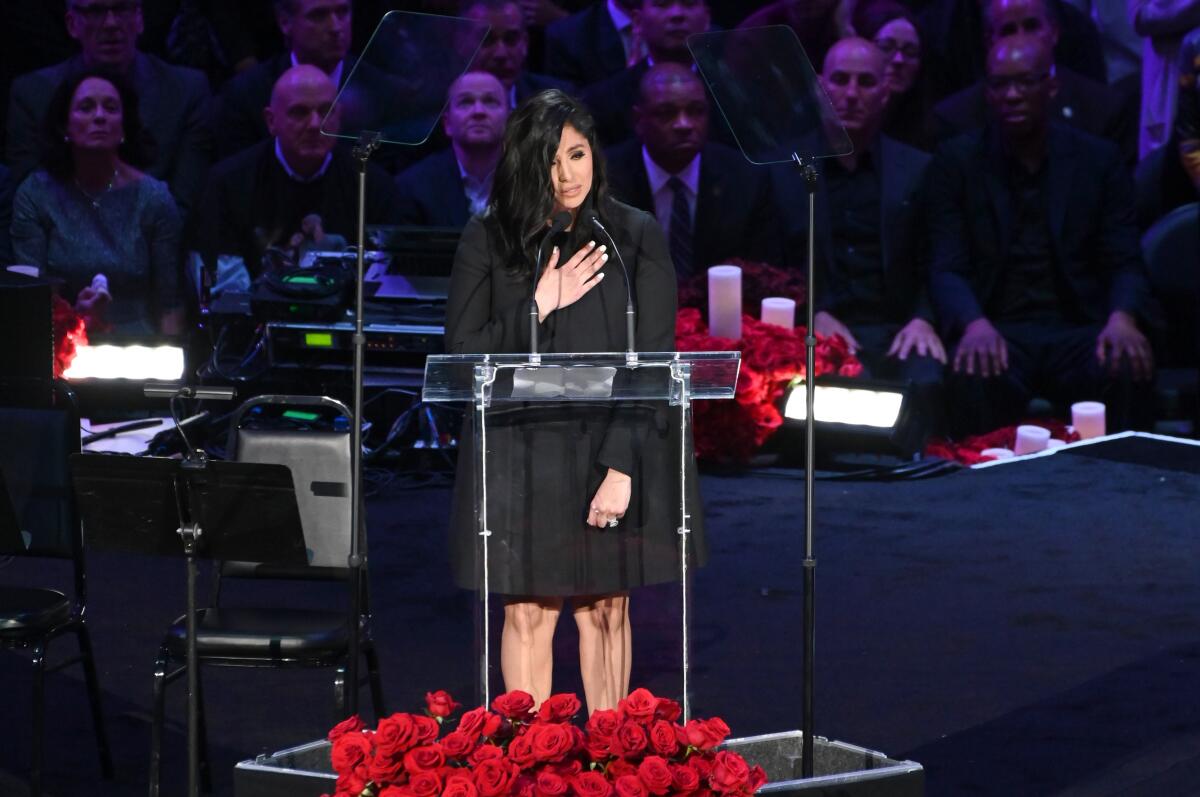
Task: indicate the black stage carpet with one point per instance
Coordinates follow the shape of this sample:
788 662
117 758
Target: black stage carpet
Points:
1028 629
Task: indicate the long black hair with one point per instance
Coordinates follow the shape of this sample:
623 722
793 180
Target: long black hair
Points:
56 157
522 190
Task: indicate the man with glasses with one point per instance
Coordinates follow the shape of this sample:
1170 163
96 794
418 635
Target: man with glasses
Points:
173 100
1105 111
316 32
1036 269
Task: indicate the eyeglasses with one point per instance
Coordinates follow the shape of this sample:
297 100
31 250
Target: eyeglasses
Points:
998 84
890 46
98 12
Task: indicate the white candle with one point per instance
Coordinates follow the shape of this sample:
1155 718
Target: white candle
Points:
996 453
725 302
1055 443
1031 439
779 311
1088 419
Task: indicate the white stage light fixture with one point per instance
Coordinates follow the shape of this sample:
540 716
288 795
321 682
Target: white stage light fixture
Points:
137 363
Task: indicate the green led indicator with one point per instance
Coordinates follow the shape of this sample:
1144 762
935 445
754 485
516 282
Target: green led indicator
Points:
323 340
300 279
299 415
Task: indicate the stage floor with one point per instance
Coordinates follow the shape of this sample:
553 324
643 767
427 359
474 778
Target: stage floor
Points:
1031 629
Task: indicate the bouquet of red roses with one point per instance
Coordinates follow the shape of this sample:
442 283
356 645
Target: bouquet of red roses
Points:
637 750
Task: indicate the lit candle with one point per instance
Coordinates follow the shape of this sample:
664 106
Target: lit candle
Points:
1088 419
779 311
1031 439
725 302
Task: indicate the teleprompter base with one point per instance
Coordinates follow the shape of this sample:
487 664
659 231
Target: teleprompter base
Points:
840 770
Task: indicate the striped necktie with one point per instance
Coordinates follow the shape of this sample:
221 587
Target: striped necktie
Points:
681 230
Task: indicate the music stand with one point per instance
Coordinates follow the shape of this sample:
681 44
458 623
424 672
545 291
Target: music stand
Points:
194 509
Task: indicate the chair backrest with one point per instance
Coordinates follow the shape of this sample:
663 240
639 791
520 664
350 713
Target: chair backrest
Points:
321 469
34 446
1171 248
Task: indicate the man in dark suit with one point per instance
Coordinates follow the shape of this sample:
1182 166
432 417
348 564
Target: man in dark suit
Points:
448 187
287 193
592 44
318 33
1106 111
664 26
872 259
1036 268
711 203
173 100
506 47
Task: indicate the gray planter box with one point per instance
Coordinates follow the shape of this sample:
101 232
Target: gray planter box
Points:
840 770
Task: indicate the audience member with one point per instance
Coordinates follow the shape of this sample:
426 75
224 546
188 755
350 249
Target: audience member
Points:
1187 119
7 187
1036 268
448 187
711 203
664 27
594 43
871 271
317 33
1121 45
173 100
1093 107
286 193
504 51
817 23
893 29
1163 23
89 210
954 34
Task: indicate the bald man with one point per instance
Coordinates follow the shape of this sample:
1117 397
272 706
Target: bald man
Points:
448 187
711 203
291 192
1036 270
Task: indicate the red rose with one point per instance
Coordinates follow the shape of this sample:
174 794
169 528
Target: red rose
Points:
426 784
566 769
425 758
525 786
440 704
494 776
591 784
349 752
480 722
706 734
387 769
620 767
393 791
630 786
667 710
598 747
851 368
730 773
427 729
550 742
515 705
663 739
460 786
349 725
684 779
559 708
758 776
655 773
629 741
550 785
397 734
639 706
520 751
352 782
702 765
483 752
603 723
457 744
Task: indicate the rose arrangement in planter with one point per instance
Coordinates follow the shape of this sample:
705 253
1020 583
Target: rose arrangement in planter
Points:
638 749
968 450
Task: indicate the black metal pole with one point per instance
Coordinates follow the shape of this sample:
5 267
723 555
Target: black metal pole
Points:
810 563
193 707
367 143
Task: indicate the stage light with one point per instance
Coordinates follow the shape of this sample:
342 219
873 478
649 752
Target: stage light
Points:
856 415
139 363
846 405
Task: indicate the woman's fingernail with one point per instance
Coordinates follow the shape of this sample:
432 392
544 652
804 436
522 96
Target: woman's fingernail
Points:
603 258
603 248
591 244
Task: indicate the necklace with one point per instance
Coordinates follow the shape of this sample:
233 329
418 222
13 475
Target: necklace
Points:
95 198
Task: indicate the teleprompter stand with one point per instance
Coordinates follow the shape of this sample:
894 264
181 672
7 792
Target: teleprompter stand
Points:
195 509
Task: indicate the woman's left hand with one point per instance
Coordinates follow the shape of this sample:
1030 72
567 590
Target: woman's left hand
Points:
611 500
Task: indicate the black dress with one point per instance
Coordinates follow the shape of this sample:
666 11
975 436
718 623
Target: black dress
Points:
546 461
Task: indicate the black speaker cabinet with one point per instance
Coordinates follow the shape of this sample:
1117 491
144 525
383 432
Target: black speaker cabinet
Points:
26 340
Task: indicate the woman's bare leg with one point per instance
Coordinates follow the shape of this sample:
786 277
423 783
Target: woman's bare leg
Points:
604 648
527 645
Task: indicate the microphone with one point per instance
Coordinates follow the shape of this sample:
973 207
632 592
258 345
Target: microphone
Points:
630 353
557 224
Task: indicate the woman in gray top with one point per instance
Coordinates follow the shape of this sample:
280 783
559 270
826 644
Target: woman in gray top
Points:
90 211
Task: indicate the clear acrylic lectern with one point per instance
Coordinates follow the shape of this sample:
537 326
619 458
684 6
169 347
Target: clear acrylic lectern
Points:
494 381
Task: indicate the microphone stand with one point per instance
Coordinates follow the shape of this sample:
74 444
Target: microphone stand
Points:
630 316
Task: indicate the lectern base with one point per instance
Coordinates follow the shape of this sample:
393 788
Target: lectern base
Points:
840 770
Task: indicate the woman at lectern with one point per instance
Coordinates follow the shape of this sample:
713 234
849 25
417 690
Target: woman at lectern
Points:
90 211
583 500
